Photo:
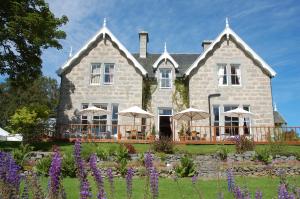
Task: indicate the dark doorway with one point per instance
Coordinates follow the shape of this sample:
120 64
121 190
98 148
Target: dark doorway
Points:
165 129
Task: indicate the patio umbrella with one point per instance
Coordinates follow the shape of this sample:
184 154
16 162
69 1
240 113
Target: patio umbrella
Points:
238 112
135 112
3 132
191 114
93 110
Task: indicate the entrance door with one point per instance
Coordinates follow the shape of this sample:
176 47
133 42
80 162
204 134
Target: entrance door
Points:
165 127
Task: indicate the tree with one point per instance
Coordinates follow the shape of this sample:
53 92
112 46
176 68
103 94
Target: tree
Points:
26 27
41 93
31 122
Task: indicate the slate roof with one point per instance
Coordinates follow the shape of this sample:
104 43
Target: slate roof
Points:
278 119
184 61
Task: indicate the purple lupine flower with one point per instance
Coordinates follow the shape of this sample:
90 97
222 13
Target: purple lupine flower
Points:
111 181
81 172
230 180
9 171
283 193
258 194
85 190
54 174
148 161
97 176
194 179
238 194
154 183
129 176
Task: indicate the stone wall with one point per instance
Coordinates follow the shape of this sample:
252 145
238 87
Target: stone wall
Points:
255 88
126 89
162 97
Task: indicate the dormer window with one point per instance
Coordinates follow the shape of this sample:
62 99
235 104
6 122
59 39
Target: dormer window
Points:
95 74
165 78
229 74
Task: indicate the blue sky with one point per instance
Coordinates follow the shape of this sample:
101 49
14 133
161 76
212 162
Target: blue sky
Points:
271 28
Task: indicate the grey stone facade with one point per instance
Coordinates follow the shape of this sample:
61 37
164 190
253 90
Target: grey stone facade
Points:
254 91
127 87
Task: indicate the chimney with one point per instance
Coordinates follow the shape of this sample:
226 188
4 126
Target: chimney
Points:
206 44
143 43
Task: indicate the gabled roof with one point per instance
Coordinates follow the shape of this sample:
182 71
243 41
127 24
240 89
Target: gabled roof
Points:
229 32
165 56
278 119
184 61
104 31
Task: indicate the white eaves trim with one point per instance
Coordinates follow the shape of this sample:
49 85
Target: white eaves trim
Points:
102 32
165 56
229 32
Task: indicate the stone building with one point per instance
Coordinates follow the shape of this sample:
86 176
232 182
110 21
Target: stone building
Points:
105 74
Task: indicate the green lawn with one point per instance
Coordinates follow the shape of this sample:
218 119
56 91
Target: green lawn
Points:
140 148
169 189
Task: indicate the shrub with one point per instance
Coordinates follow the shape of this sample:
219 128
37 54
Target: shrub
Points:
243 144
278 148
165 145
223 152
21 153
187 167
43 165
264 155
122 154
87 150
102 153
112 150
68 166
130 148
162 156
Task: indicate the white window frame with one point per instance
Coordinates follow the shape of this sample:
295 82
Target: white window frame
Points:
163 78
110 74
92 75
222 76
228 74
239 76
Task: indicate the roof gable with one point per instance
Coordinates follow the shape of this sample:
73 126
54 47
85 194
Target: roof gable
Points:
103 32
165 56
228 32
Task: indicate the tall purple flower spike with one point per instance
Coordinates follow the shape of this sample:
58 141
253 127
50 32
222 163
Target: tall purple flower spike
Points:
54 174
258 194
129 177
230 180
9 171
148 161
81 172
97 176
154 183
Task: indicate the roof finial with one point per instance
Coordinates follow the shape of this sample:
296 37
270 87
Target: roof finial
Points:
275 106
71 52
165 47
104 22
227 22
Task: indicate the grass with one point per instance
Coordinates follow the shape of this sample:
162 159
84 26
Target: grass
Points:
140 148
169 189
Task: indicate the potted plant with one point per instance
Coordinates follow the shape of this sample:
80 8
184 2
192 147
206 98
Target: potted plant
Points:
119 135
181 133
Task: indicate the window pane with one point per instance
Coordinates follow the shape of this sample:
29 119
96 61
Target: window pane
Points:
165 111
165 78
108 73
115 109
